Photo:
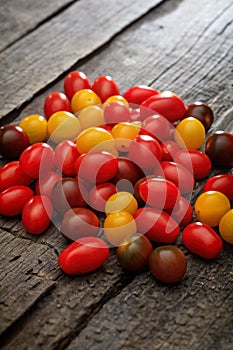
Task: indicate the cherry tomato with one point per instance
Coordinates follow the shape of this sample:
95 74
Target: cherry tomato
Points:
66 154
95 138
202 112
68 193
90 117
35 126
165 103
159 193
84 255
226 226
139 93
99 194
37 160
13 199
44 184
169 148
78 223
190 133
168 264
11 174
63 126
118 226
136 192
13 140
210 207
123 134
221 183
56 102
157 225
116 112
182 212
156 126
195 161
116 99
84 98
133 254
179 175
105 87
121 201
202 240
219 147
37 214
97 167
145 151
75 81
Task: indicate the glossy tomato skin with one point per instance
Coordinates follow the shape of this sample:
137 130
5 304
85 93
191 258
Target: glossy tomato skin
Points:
202 240
13 199
37 160
105 87
222 183
13 141
165 103
37 214
75 81
55 102
84 255
11 174
116 112
65 155
133 254
182 212
139 93
168 264
202 112
99 194
156 126
169 149
78 223
45 184
219 147
157 225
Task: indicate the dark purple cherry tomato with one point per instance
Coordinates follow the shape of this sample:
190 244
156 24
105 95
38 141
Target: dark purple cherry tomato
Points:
202 112
78 223
133 254
222 183
13 140
13 199
157 225
137 94
168 264
11 174
156 126
84 255
66 154
37 160
219 147
55 102
37 214
116 112
202 240
105 87
74 82
99 194
45 184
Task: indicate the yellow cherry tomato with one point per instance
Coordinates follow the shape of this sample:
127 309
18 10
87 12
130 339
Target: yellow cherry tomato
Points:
117 226
123 134
116 98
190 133
95 138
121 201
91 116
35 126
84 98
210 207
63 126
226 226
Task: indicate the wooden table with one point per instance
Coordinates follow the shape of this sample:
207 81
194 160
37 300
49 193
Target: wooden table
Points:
179 45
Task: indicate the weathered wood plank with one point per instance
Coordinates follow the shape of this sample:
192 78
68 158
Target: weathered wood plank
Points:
18 18
39 58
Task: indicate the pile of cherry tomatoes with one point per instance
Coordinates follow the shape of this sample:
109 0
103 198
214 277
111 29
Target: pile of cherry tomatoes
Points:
119 171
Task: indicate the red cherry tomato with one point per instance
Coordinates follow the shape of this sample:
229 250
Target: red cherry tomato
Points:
66 154
127 175
182 212
219 147
78 223
202 240
116 112
13 140
11 174
37 214
55 102
165 103
99 194
13 199
75 81
157 225
156 126
169 148
37 160
139 93
222 183
45 184
168 264
105 87
159 193
84 255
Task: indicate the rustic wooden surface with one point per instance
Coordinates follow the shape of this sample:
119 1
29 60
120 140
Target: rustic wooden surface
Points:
179 45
